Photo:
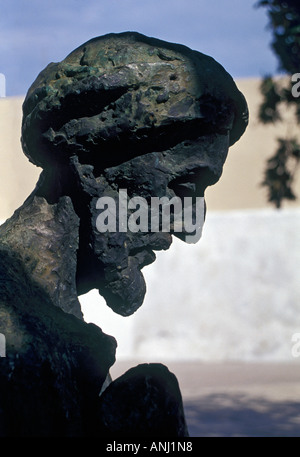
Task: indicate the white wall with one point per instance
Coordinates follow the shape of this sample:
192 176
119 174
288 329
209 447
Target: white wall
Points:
235 295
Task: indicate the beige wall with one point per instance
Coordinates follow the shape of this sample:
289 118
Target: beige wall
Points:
17 175
238 188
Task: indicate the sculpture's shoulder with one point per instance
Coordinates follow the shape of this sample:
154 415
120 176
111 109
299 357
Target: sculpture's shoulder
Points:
46 350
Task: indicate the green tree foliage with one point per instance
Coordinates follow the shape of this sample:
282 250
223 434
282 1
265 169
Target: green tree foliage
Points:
284 21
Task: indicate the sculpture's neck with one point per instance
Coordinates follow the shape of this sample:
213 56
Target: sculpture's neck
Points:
45 238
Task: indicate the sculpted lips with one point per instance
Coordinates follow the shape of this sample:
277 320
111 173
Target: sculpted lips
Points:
150 242
145 256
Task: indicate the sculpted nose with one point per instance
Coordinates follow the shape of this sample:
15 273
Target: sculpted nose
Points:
194 182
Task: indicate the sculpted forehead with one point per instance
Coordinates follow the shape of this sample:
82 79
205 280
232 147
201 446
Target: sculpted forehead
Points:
117 50
121 88
130 56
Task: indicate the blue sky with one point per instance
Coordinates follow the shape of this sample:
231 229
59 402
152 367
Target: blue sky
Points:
36 32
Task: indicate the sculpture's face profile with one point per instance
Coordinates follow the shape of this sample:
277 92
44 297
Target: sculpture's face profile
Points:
129 113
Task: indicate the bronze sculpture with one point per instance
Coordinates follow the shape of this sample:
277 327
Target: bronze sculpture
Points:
122 111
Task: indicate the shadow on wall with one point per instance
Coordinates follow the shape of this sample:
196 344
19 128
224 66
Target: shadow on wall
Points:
234 415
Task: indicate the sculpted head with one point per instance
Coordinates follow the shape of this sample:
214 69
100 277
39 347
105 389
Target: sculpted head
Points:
125 112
